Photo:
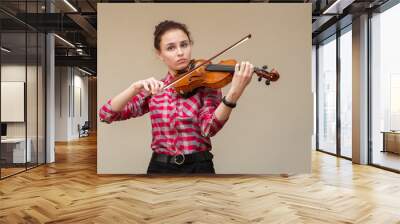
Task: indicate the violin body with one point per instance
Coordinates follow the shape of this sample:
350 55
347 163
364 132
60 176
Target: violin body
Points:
201 73
210 75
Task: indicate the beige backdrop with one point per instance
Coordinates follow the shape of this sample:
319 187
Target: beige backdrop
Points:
270 130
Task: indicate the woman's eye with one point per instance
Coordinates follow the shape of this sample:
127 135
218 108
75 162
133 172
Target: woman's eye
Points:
170 48
184 45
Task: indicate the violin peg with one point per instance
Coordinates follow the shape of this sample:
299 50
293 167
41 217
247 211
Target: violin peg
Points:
264 67
259 78
267 82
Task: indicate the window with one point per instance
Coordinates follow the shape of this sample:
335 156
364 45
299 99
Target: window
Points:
346 93
385 88
327 95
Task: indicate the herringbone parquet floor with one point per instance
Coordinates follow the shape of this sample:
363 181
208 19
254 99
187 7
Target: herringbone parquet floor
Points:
70 191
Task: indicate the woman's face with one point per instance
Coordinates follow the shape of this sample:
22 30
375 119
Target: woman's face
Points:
175 50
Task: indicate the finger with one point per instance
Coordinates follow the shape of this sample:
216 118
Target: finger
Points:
242 67
237 68
154 90
145 85
251 69
155 85
152 86
149 86
151 81
247 69
251 72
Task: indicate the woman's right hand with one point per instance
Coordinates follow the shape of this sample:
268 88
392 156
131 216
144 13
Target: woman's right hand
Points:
151 85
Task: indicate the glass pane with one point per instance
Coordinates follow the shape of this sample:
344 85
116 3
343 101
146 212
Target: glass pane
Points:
13 85
386 89
41 98
346 93
31 100
327 96
23 87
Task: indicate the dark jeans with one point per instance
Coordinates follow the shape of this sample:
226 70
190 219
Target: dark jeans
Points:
156 167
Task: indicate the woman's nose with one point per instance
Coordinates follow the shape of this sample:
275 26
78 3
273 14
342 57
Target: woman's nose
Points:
180 52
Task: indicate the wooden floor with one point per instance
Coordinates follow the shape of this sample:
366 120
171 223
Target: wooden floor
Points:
70 191
387 159
5 172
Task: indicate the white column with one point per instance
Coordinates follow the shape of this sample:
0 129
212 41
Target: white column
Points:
360 90
50 94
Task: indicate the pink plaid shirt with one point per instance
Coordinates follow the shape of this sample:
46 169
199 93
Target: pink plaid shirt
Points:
178 124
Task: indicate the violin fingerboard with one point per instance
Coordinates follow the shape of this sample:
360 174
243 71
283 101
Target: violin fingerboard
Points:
220 68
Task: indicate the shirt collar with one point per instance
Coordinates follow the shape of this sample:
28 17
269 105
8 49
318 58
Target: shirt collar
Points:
168 77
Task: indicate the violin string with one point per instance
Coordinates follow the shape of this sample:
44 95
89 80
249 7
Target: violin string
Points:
220 53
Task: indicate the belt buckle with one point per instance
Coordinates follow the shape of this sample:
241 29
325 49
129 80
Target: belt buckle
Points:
176 161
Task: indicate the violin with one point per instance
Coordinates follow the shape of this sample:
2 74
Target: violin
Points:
202 73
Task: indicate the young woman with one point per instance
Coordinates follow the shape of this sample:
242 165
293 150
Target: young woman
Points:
181 126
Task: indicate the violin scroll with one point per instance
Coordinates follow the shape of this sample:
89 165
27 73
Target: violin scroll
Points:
269 76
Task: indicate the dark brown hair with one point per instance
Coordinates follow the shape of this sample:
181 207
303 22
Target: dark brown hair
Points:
165 26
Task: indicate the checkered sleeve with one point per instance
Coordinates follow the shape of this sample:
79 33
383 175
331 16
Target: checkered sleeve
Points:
209 123
137 106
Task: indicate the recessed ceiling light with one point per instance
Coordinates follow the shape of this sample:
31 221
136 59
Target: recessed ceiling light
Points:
64 40
84 71
337 7
70 5
5 49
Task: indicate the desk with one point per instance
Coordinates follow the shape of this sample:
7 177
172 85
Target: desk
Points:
15 148
391 141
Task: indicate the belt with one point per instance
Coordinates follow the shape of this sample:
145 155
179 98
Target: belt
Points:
181 158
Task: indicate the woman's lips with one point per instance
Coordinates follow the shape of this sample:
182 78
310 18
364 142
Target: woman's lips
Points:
181 61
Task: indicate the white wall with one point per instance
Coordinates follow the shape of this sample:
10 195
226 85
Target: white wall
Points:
33 127
12 73
79 117
61 103
67 115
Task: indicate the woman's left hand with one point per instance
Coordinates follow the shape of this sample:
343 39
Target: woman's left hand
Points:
241 78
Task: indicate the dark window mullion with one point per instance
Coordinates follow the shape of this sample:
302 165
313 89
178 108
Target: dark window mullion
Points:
369 90
37 90
317 96
26 86
338 93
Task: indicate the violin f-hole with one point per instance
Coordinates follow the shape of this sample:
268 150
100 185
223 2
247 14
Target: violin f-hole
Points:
196 77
